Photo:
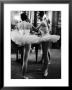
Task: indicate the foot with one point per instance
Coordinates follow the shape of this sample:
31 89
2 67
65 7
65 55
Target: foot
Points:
49 62
45 74
25 77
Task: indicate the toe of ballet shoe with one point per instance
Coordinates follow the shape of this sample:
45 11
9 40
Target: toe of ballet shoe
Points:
44 76
25 77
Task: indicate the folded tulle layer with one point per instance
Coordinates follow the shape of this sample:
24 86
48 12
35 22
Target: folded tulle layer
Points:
27 38
52 38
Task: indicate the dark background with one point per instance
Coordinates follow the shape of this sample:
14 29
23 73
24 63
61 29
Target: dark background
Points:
1 35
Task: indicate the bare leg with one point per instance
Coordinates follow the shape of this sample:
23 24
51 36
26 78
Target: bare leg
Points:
22 53
41 61
45 57
48 53
48 57
25 58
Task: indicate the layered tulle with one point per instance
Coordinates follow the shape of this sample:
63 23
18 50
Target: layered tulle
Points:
27 38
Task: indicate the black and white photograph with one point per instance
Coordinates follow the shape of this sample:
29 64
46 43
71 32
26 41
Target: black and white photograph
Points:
35 37
35 44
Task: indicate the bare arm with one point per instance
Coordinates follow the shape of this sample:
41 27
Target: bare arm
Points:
34 28
38 27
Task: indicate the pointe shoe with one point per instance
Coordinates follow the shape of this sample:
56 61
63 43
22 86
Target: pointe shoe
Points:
26 77
49 62
46 73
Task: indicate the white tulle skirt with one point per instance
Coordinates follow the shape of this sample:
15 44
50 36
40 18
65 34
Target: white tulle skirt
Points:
21 39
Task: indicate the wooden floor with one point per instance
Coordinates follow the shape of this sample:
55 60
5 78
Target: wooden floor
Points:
34 69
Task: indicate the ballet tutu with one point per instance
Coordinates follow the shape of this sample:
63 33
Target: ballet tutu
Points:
20 38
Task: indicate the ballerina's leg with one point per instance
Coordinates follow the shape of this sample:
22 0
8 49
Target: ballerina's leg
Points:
25 58
45 57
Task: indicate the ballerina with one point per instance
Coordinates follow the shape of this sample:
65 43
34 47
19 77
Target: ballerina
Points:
44 28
